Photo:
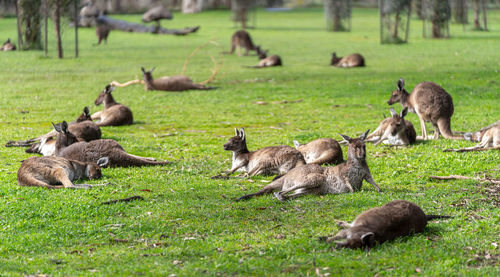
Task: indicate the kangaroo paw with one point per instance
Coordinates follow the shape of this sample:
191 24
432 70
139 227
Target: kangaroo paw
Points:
279 196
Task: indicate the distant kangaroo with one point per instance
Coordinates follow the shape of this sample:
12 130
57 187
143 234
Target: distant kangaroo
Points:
68 147
394 130
431 103
265 61
321 151
314 179
265 161
487 137
57 172
8 46
102 32
352 60
114 113
395 219
173 83
242 39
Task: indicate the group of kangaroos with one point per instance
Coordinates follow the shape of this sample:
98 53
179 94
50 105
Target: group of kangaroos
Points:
76 150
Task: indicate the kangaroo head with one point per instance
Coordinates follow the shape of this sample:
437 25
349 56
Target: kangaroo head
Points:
238 142
356 148
106 93
147 75
93 171
398 93
397 123
8 41
84 116
64 136
359 239
335 59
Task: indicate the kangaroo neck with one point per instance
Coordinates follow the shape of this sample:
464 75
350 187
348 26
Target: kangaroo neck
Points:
109 101
406 101
243 150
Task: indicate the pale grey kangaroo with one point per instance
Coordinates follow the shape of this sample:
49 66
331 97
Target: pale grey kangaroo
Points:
321 151
114 113
352 60
394 130
172 83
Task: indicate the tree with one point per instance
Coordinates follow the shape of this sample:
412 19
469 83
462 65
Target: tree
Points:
338 15
460 11
480 6
394 20
29 24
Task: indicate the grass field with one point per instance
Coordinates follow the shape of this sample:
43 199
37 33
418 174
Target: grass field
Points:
188 223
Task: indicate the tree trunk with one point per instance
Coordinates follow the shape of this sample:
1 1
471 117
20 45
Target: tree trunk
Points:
484 15
460 11
57 27
75 2
337 14
45 27
192 6
240 11
115 24
29 23
477 25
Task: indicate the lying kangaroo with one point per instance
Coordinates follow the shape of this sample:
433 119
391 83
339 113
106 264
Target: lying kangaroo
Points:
8 46
68 147
114 113
57 172
173 83
394 130
314 179
352 60
487 137
431 103
395 219
242 39
321 151
265 161
265 61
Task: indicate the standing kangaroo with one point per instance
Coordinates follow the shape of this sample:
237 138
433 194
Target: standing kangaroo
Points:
102 32
394 130
488 136
314 179
321 151
242 39
173 83
57 172
114 113
352 60
431 103
8 46
68 147
395 219
265 161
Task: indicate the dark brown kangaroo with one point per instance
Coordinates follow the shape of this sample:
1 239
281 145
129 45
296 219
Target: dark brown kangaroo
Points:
57 172
321 151
8 46
242 39
431 103
394 130
352 60
395 219
114 113
102 32
265 161
173 83
68 147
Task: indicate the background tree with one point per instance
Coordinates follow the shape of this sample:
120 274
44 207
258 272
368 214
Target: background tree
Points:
480 7
29 24
438 13
394 20
338 15
241 10
460 11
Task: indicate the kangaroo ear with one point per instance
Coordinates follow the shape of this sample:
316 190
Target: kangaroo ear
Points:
143 70
86 111
368 239
404 112
103 161
364 135
236 132
334 54
296 143
348 139
57 127
401 84
64 126
152 69
242 132
393 112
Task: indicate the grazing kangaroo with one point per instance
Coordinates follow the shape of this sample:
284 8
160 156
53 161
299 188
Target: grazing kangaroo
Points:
242 39
173 83
321 151
352 60
57 172
431 103
8 46
395 219
114 113
68 147
314 179
488 136
265 161
394 130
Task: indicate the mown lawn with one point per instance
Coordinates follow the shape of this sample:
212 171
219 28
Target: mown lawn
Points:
188 223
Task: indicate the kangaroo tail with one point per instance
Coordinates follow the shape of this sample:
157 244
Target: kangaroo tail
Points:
276 185
252 66
434 216
202 87
445 129
21 143
132 160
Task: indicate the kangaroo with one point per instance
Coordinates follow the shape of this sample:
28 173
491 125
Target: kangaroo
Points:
57 172
102 32
314 179
265 61
488 136
265 161
114 113
321 151
352 60
394 130
8 46
68 147
241 39
173 83
395 219
431 103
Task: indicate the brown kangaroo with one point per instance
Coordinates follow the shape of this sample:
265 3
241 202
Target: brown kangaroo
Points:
394 130
102 32
114 113
265 161
487 137
314 179
8 46
431 103
57 172
395 219
321 151
265 61
352 60
68 147
173 83
241 39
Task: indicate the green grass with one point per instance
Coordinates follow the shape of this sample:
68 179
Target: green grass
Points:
188 217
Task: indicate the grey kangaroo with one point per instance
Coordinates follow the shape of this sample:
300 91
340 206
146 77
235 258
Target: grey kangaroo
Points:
114 113
321 151
173 83
8 46
352 60
487 137
314 179
394 130
395 219
242 39
57 172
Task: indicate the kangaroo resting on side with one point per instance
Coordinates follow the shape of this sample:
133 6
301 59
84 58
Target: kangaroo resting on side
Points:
314 179
57 172
431 103
242 39
321 151
68 147
114 113
394 130
8 46
173 83
352 60
395 219
488 136
266 161
265 61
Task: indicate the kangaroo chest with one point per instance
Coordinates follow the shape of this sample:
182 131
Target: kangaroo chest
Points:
238 161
